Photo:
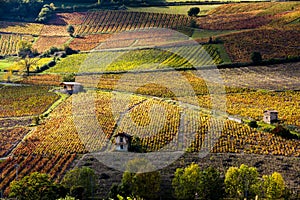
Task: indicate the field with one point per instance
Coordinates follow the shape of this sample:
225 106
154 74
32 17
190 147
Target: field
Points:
44 43
30 100
271 43
160 76
37 62
20 28
135 60
8 43
204 9
112 21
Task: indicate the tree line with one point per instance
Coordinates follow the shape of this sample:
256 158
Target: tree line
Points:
140 182
20 9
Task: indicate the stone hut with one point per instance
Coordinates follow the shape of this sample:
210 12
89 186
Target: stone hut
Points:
122 141
270 116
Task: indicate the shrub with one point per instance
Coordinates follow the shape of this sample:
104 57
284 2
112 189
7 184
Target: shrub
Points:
194 11
253 124
284 132
256 57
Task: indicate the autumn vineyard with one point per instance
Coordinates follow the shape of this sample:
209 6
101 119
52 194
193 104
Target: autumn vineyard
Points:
177 82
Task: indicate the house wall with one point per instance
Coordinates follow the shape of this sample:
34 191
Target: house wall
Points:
124 143
269 117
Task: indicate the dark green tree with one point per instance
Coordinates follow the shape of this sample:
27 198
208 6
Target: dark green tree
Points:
253 124
136 145
81 182
194 11
36 186
71 30
256 57
211 185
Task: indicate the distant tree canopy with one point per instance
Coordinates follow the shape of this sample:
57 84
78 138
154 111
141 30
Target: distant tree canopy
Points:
70 30
20 9
45 12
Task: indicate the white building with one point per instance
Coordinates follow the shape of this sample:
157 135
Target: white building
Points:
122 141
270 116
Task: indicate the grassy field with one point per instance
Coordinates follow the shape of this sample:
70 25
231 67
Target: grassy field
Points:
4 64
38 63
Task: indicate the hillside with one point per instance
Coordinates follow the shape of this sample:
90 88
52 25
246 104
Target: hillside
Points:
186 85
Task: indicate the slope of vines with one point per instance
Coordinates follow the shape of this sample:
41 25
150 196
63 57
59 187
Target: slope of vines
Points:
116 21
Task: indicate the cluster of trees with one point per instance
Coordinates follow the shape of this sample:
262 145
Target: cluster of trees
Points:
78 183
192 182
28 57
45 12
20 9
140 181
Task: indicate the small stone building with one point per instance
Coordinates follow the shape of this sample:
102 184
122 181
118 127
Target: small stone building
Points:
122 141
270 116
72 87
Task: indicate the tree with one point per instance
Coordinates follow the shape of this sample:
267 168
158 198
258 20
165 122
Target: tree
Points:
36 186
71 30
136 145
81 182
273 186
241 182
256 57
253 124
283 132
194 11
191 181
27 63
69 77
140 183
186 181
24 49
211 185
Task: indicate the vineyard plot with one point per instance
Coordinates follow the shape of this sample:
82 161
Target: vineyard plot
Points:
8 43
115 21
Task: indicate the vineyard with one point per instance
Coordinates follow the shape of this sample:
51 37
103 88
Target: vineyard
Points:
270 77
143 59
269 42
44 43
243 16
30 100
20 28
53 145
60 134
150 74
20 166
8 43
116 21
